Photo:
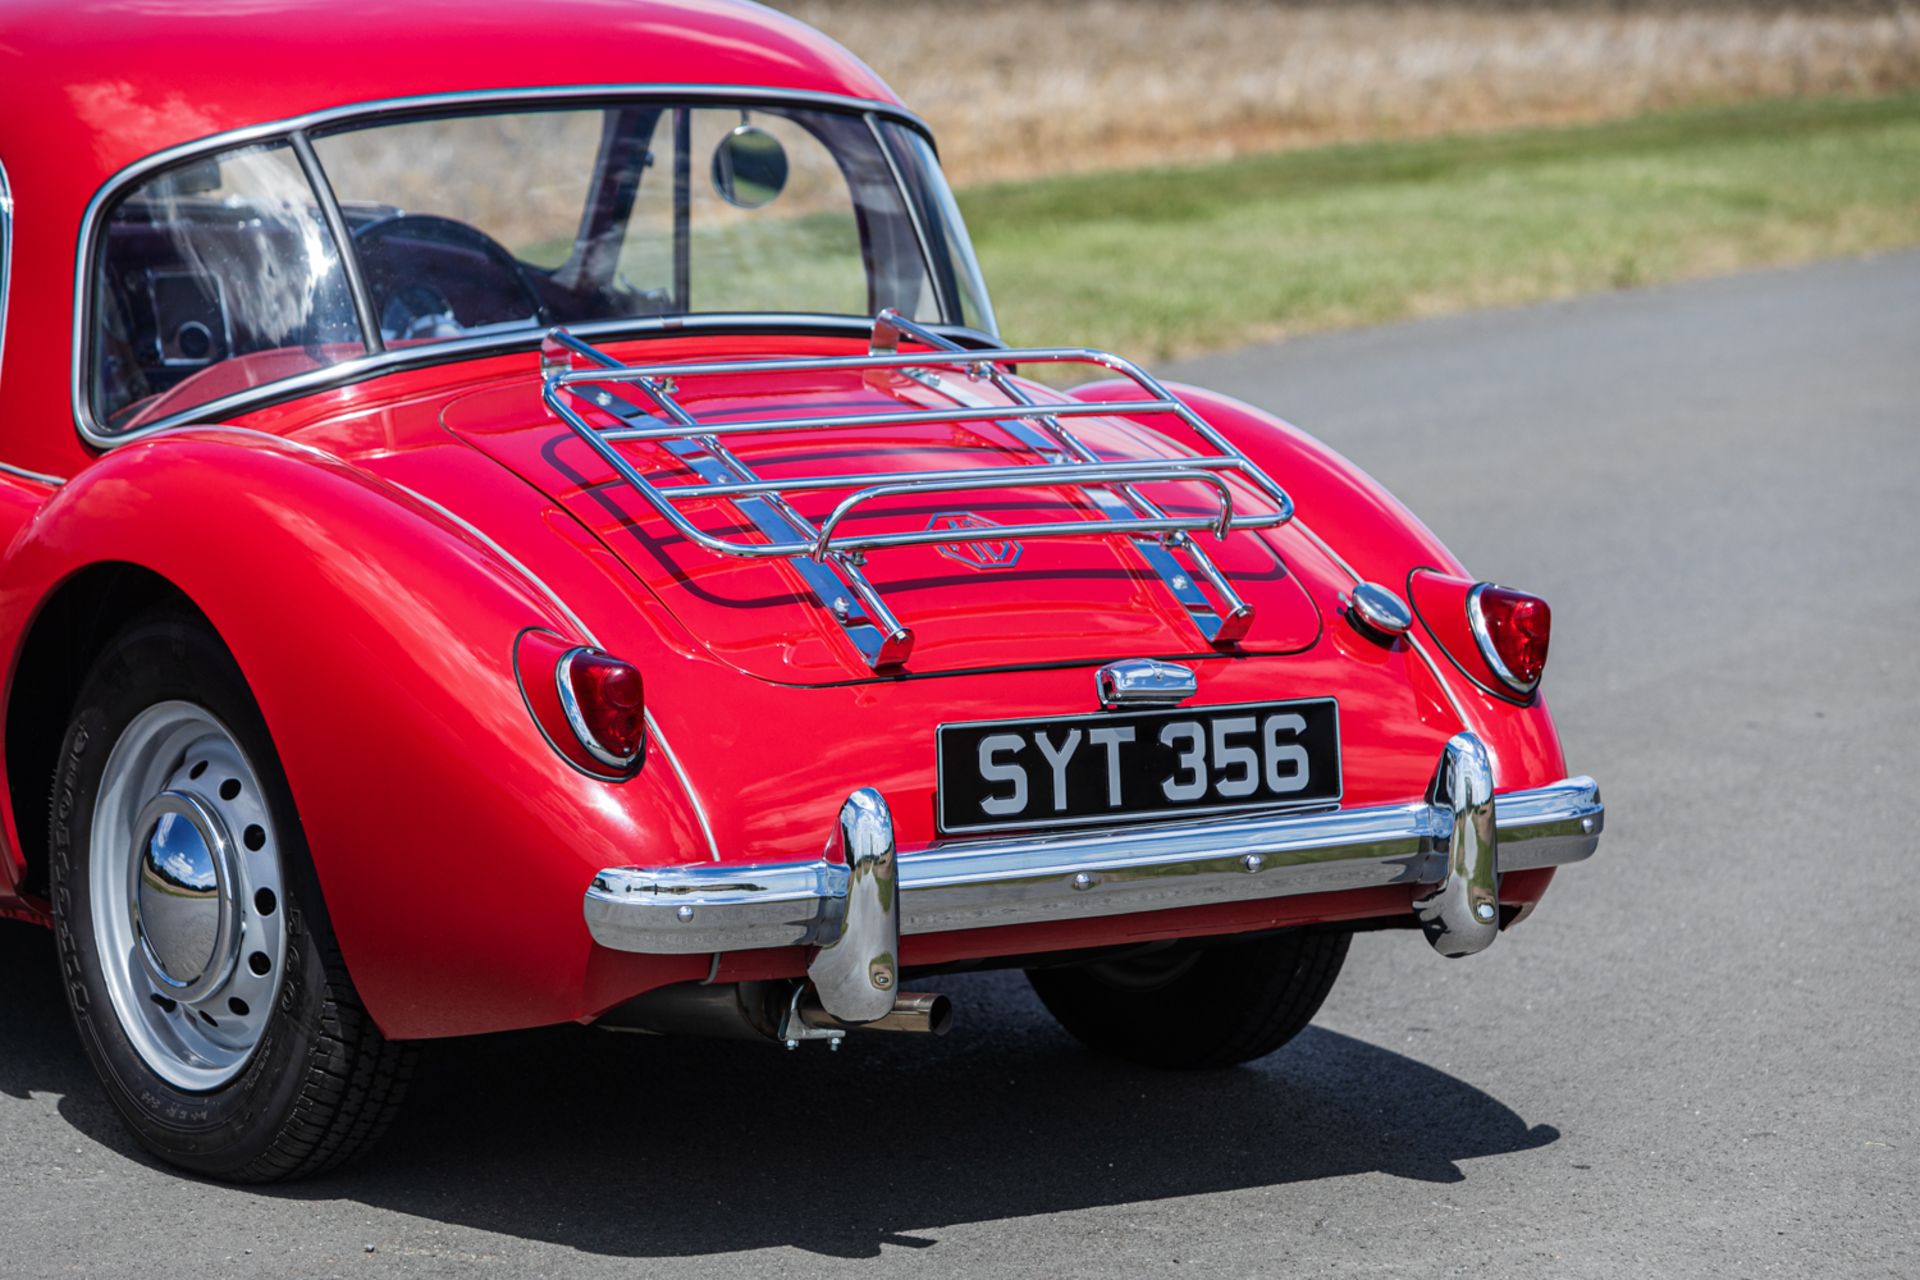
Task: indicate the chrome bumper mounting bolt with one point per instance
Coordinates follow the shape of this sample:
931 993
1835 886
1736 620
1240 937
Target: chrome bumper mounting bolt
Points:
685 914
1083 880
1253 862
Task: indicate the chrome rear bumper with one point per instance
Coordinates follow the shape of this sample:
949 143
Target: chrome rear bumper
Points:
1458 841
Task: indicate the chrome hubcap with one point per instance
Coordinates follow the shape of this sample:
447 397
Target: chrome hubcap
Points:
187 895
183 908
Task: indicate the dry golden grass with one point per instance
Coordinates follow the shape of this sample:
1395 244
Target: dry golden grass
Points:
1025 89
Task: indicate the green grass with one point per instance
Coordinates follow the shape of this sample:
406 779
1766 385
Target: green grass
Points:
1170 262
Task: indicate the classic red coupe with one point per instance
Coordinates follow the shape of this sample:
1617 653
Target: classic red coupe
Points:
517 515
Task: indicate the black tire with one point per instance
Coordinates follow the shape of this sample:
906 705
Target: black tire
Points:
321 1083
1198 1007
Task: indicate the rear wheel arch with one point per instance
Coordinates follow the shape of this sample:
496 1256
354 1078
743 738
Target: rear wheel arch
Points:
68 631
386 623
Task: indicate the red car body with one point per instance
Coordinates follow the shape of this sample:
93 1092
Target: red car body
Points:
371 549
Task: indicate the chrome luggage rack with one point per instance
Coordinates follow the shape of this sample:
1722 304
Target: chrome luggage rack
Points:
830 559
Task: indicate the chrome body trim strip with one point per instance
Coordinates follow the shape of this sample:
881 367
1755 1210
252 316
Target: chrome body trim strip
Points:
426 104
38 477
6 258
657 737
466 526
974 884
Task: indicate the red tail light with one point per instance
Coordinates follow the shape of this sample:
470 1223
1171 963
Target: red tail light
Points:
1512 629
1496 636
602 698
589 705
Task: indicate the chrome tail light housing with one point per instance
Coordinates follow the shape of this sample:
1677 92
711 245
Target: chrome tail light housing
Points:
589 705
1497 636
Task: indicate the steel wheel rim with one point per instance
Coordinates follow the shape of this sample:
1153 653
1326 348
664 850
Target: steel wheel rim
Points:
187 898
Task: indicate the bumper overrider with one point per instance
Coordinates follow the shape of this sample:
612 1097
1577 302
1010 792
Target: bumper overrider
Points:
855 901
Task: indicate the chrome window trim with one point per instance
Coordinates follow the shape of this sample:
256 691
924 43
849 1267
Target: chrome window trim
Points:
946 305
368 112
363 367
962 258
371 341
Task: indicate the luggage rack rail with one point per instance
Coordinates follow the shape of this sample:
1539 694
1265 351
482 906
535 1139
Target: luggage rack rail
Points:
830 559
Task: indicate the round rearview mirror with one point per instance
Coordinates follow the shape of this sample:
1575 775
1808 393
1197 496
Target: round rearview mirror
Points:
749 167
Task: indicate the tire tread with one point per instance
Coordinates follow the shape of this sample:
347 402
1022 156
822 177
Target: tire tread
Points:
1236 1003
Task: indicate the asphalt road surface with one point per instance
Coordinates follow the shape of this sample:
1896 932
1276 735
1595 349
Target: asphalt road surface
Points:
1699 1057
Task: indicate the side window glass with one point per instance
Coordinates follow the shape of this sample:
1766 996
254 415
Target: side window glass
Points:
213 277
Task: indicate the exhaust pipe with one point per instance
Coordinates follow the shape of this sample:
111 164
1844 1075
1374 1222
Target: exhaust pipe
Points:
915 1012
757 1010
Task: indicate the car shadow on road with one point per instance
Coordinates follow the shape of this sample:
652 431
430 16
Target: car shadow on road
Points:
643 1147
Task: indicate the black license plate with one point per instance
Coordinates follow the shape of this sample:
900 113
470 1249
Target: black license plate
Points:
997 775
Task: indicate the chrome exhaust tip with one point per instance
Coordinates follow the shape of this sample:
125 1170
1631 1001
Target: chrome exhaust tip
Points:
913 1012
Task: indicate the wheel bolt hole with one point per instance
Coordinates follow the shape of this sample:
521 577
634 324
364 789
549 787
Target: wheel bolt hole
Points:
259 963
163 1001
238 1006
264 902
197 770
254 837
230 789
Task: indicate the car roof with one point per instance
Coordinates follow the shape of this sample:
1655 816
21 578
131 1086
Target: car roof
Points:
115 81
91 87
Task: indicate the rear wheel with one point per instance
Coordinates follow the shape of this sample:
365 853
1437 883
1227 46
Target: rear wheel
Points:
198 961
1198 1006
